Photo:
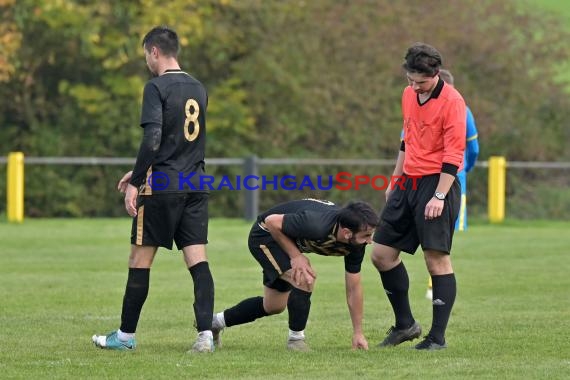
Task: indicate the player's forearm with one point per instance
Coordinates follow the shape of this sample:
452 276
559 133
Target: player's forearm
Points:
445 182
399 168
286 243
149 147
356 310
274 224
355 301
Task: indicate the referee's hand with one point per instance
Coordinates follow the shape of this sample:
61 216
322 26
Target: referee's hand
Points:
434 208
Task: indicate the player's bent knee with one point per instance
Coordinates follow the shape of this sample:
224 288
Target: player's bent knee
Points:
438 263
376 259
383 258
306 286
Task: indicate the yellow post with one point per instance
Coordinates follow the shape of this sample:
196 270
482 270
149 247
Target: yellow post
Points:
15 193
497 181
429 292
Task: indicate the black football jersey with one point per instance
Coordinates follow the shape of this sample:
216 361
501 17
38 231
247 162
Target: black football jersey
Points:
178 102
313 224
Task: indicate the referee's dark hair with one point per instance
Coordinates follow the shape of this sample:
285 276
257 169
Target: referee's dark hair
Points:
358 216
422 58
164 38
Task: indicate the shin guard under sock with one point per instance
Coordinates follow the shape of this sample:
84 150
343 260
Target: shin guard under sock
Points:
298 306
396 284
444 291
203 295
135 295
246 311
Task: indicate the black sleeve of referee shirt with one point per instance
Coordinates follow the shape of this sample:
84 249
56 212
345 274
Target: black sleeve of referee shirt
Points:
147 151
449 168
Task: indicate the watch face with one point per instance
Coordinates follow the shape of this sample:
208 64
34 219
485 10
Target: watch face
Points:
440 196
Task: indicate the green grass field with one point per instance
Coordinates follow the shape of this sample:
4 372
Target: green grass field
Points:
62 281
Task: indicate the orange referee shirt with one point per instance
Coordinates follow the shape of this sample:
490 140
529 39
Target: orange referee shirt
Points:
434 132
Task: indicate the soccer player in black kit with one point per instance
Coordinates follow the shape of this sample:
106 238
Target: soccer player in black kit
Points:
174 123
278 240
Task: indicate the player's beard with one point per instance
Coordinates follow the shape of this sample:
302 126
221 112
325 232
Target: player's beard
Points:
352 241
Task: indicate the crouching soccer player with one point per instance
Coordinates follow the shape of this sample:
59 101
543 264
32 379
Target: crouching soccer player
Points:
278 240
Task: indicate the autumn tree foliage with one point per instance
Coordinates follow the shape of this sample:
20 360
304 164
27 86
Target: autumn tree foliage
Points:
318 78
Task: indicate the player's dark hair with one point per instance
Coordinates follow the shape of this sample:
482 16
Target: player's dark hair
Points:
164 38
423 59
358 216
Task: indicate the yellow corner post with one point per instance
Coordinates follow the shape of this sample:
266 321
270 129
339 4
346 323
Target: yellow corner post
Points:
15 191
497 187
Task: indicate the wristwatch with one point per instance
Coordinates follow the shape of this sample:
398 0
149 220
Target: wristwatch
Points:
440 196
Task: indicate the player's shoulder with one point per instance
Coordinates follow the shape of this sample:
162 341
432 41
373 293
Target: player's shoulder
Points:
307 217
165 83
409 97
309 209
452 93
408 92
317 205
322 217
175 76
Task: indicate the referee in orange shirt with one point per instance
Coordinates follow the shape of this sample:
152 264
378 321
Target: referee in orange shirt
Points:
421 210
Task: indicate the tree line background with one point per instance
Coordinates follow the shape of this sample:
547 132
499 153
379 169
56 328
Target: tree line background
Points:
303 79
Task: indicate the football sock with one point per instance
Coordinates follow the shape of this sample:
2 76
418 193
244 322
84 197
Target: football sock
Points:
220 319
444 291
396 284
246 311
203 295
296 335
134 298
124 336
298 306
207 334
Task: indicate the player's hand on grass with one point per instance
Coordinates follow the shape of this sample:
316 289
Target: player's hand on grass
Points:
122 185
303 273
359 342
131 200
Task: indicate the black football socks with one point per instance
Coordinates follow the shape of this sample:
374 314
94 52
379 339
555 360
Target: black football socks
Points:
246 311
444 291
135 295
298 306
396 284
203 295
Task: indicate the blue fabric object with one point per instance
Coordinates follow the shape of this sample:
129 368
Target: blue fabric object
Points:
471 154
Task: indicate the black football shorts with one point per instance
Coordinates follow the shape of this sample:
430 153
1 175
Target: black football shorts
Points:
273 259
402 222
178 217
